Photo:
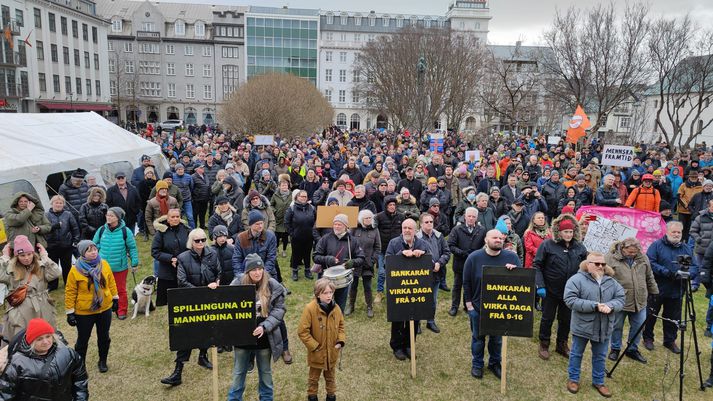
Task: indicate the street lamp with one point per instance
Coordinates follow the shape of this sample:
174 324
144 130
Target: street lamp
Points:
71 102
421 67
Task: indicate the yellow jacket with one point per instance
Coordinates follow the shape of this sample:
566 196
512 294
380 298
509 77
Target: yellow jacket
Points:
78 292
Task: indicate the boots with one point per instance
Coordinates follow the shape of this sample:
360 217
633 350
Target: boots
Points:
175 378
562 348
332 397
368 297
312 398
203 361
544 350
294 275
308 274
350 304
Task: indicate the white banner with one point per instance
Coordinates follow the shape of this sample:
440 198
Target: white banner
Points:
267 140
553 139
603 232
615 155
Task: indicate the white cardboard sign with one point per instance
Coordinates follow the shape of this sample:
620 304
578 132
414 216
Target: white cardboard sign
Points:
615 155
266 140
603 232
553 140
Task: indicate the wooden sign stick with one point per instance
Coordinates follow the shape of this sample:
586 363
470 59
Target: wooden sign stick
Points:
504 366
412 334
214 357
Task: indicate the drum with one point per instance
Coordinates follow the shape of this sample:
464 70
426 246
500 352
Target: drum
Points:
339 275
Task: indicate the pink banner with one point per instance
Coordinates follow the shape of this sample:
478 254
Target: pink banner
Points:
650 225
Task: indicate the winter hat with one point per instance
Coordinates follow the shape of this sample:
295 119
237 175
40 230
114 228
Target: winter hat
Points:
118 212
432 180
664 206
568 209
229 165
83 245
220 231
179 166
657 173
501 226
79 173
167 174
253 194
252 262
221 199
342 218
434 202
332 200
494 189
22 245
707 182
389 199
161 184
255 216
566 224
36 328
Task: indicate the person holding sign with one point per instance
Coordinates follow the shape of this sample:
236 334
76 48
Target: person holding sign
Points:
408 245
270 308
321 330
492 254
595 298
196 267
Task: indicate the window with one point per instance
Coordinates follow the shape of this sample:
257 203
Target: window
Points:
68 85
625 122
89 87
110 45
86 59
342 96
329 36
343 37
95 36
98 87
199 29
180 28
116 25
207 92
128 47
85 32
75 29
342 57
150 89
341 119
328 94
372 20
96 61
55 83
63 25
355 97
230 52
129 66
149 48
190 93
53 53
330 19
328 75
150 67
427 22
53 23
38 18
189 69
343 19
371 37
171 69
148 26
40 50
130 88
188 50
207 51
399 22
342 75
43 82
207 70
355 76
328 56
65 54
19 17
357 21
112 88
76 57
112 65
357 37
230 80
171 90
78 82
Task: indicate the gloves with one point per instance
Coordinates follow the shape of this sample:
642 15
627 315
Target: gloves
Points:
541 292
114 305
349 263
56 226
71 319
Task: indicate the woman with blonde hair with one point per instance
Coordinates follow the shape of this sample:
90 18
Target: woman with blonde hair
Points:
31 270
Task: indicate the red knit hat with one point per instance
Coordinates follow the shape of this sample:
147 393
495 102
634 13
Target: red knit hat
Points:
568 209
566 224
36 328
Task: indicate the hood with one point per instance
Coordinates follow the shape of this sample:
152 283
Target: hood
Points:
263 206
230 180
411 201
465 190
96 190
615 251
555 227
36 201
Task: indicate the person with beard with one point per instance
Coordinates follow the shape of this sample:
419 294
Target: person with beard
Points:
557 259
645 197
431 191
406 204
92 214
685 194
664 187
353 171
492 254
172 189
225 215
388 223
361 201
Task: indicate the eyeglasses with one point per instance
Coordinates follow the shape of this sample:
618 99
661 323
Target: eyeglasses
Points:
598 264
199 240
428 222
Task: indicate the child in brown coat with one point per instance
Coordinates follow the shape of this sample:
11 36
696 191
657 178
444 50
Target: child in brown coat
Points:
322 320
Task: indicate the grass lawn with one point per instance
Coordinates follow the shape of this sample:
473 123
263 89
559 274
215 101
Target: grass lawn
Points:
140 357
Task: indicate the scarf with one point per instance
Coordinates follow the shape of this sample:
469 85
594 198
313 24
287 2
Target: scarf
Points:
541 231
327 308
92 269
162 204
227 216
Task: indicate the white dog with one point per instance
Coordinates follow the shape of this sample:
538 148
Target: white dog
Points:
141 296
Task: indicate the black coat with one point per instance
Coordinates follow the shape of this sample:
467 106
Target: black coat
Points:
201 188
234 227
131 205
65 230
225 259
363 204
329 248
319 198
27 378
462 242
555 264
389 226
197 271
415 187
91 217
73 196
300 222
167 245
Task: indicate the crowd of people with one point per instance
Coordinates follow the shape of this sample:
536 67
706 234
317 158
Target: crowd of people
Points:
226 209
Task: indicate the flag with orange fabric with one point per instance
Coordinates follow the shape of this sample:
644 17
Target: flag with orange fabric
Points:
578 125
8 35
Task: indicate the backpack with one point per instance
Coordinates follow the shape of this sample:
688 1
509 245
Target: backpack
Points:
123 231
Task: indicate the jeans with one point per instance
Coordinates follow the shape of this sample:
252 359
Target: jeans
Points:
435 287
709 315
187 210
599 352
636 319
477 344
240 370
381 274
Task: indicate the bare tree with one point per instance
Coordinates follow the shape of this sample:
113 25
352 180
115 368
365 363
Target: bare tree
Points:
466 71
276 104
683 65
597 59
127 78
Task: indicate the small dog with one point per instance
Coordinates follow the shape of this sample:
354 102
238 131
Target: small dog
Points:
141 296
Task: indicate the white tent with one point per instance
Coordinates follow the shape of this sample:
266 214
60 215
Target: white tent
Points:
34 146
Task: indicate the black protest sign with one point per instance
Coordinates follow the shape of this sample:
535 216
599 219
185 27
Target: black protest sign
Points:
409 293
507 302
200 317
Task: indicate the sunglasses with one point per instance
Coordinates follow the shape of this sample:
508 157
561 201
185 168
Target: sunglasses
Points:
199 240
598 264
428 222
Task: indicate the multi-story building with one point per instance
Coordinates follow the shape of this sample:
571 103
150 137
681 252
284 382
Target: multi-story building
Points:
172 60
58 58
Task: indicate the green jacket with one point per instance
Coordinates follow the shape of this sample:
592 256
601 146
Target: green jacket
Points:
638 280
21 222
279 204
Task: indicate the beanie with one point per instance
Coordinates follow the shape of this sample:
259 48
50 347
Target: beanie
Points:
253 194
252 262
161 184
332 200
434 202
501 226
255 216
36 328
389 199
220 231
221 199
431 180
566 224
568 209
83 245
118 212
22 245
167 174
342 218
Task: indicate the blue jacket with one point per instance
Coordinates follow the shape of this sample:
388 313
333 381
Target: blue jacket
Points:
185 184
662 255
114 250
265 246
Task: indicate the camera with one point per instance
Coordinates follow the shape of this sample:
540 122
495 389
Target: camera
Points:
684 261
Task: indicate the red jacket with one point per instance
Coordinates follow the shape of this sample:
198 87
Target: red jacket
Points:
532 242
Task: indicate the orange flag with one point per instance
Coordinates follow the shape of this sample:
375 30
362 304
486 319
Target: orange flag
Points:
8 36
577 125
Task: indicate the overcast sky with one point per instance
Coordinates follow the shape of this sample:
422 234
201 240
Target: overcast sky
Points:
512 19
